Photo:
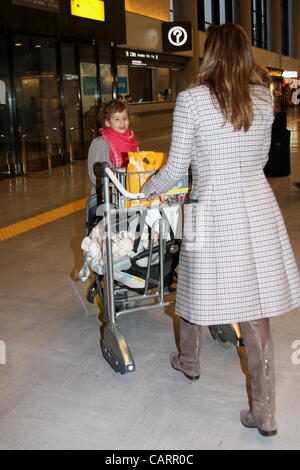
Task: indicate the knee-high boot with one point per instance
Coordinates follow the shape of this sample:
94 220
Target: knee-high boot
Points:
188 361
259 348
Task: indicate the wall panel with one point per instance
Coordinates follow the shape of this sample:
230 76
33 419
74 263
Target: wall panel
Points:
159 9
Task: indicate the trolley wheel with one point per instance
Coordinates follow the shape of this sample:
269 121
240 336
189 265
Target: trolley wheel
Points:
224 334
90 296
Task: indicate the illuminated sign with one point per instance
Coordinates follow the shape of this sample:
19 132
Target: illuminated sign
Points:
138 56
177 36
290 74
142 55
90 9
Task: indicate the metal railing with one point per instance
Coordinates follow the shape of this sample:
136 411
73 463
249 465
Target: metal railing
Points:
47 140
71 142
5 143
49 149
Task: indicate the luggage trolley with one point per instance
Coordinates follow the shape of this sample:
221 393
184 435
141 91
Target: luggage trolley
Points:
146 269
152 267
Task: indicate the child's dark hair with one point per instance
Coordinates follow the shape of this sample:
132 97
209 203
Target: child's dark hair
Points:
113 107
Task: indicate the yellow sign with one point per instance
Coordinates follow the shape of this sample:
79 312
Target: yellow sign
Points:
91 9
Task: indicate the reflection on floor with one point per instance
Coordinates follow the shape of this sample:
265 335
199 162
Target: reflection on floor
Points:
56 390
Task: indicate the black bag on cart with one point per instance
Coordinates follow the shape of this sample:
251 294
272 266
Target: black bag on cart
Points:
279 163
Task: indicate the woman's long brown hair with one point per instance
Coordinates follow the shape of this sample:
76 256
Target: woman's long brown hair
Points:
229 68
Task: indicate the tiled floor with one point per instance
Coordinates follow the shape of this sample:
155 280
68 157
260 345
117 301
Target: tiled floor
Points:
57 392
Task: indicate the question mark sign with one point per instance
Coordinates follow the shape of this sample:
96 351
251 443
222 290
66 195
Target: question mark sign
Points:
296 97
180 36
178 33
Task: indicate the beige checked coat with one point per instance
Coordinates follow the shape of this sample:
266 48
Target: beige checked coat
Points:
236 263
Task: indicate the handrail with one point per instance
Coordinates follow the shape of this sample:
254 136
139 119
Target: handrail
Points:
84 128
6 141
23 154
48 144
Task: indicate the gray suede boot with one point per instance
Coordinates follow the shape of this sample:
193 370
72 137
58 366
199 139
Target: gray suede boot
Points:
188 361
258 342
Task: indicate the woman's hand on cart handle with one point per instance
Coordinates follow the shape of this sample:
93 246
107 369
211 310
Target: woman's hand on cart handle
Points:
108 173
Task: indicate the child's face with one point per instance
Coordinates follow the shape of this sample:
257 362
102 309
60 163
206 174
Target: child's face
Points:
119 122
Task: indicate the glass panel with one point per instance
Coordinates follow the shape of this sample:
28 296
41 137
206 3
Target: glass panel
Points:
70 82
140 83
106 78
172 10
38 104
106 82
161 84
134 84
263 32
234 12
255 28
123 83
7 158
208 11
222 12
89 92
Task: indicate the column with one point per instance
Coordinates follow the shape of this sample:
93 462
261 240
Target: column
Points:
274 25
188 11
243 15
296 35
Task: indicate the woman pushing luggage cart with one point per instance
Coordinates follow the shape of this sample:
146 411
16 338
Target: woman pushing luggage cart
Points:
133 248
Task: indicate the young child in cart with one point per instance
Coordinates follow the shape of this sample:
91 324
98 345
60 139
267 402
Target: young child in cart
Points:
115 141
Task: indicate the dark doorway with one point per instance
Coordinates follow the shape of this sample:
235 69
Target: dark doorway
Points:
140 83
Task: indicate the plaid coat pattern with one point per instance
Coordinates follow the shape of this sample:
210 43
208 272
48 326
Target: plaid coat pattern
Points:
236 262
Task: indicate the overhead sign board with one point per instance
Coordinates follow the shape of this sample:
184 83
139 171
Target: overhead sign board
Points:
90 9
100 20
46 5
140 58
177 36
152 59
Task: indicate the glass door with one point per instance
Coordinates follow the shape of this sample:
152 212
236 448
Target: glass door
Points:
106 78
7 157
89 93
71 103
37 101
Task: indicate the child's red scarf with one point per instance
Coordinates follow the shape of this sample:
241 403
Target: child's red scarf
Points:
119 145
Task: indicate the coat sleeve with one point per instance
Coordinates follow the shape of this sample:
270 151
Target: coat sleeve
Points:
268 114
180 151
98 152
266 146
267 140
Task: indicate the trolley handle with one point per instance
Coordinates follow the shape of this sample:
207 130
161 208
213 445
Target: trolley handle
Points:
106 172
